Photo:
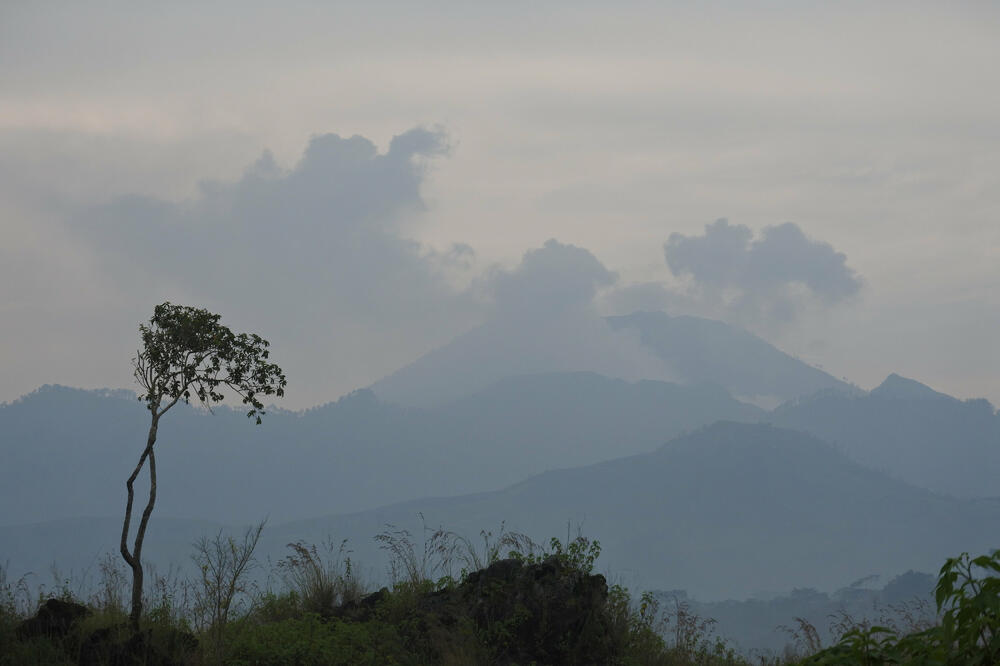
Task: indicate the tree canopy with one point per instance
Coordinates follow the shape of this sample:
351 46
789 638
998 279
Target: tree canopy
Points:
186 351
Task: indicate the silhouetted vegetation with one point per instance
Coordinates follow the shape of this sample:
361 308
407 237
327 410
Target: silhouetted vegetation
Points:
186 352
450 601
968 602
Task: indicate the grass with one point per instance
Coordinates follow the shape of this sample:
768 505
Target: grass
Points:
317 611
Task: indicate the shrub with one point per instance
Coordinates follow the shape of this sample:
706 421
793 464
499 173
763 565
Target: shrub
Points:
320 581
968 600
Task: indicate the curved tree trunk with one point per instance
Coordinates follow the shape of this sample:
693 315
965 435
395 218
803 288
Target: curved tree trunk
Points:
134 558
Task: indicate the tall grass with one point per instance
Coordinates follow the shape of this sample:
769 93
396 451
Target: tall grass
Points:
320 578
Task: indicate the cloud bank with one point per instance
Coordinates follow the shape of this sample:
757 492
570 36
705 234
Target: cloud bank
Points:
319 257
550 279
729 273
543 319
729 257
316 257
329 231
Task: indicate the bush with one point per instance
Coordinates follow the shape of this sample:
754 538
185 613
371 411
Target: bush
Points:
968 601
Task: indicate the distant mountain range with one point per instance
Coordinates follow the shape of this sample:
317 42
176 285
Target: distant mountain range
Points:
68 451
727 511
851 483
910 431
708 351
653 345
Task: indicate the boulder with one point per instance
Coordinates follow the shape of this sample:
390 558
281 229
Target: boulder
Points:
54 619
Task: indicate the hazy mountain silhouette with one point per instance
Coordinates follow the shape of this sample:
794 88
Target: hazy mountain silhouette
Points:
728 511
67 452
911 431
705 350
556 341
643 345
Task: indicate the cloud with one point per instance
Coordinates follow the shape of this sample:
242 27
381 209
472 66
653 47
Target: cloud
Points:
772 276
646 296
544 319
553 278
316 256
328 232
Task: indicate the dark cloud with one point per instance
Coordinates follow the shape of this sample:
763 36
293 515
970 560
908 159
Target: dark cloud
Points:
771 275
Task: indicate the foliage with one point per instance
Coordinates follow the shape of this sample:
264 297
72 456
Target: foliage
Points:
578 552
187 351
493 548
413 565
309 639
320 582
223 562
968 601
540 607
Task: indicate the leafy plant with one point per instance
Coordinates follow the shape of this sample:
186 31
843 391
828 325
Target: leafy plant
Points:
186 351
492 549
967 596
579 553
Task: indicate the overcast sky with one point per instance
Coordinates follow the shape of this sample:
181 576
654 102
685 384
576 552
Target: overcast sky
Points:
361 182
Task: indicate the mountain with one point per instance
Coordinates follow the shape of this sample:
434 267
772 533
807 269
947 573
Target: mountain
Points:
703 350
725 512
67 452
558 341
909 430
643 345
900 388
753 624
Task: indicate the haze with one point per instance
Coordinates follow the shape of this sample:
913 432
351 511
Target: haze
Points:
714 284
187 152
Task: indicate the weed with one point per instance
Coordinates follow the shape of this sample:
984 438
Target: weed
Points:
320 581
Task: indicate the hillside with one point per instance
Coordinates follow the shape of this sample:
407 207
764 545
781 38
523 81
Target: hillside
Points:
643 345
705 350
68 452
725 512
910 431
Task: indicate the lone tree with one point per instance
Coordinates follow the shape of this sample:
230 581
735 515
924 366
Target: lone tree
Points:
186 352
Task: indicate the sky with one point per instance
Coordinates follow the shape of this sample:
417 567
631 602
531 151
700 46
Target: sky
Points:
362 182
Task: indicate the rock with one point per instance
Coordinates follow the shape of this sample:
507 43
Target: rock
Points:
54 619
547 613
362 610
512 612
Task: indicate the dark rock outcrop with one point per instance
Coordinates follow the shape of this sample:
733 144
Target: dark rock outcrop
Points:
550 612
361 610
54 619
517 612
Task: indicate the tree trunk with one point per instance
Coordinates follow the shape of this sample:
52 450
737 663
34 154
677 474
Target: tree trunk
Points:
134 558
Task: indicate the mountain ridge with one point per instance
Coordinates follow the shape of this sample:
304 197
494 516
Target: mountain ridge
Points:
708 512
355 453
643 345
